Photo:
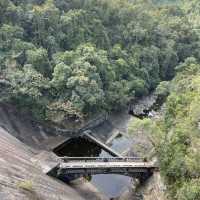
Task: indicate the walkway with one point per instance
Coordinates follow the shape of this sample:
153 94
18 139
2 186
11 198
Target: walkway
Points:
129 166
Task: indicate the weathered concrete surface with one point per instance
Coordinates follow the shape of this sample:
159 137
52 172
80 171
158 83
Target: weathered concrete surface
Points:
16 169
129 195
154 188
46 161
116 123
21 126
106 148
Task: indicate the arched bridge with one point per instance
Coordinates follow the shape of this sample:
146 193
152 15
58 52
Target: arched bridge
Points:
130 166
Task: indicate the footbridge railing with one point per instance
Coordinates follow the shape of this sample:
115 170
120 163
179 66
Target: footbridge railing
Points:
103 159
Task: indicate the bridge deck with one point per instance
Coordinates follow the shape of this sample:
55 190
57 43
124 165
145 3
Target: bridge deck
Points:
88 165
136 169
104 159
65 167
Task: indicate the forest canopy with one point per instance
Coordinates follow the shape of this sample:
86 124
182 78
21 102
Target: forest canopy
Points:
175 133
67 60
81 57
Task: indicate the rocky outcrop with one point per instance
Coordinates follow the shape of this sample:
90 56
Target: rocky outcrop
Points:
154 188
143 105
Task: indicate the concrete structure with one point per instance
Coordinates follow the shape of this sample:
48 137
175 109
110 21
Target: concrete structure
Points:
134 167
88 135
22 179
131 166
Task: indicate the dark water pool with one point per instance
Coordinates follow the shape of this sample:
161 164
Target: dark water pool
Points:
111 185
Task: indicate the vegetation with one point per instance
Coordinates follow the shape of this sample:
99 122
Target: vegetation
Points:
179 158
165 2
66 60
75 58
26 185
176 135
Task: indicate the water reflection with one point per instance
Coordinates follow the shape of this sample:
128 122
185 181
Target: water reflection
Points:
110 184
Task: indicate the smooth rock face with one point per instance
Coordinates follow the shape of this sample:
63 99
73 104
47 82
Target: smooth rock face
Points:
23 127
21 179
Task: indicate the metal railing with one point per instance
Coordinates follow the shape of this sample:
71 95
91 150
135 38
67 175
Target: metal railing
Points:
103 159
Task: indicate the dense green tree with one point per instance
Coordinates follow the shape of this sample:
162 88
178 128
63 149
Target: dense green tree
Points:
8 35
163 89
28 89
38 58
96 54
